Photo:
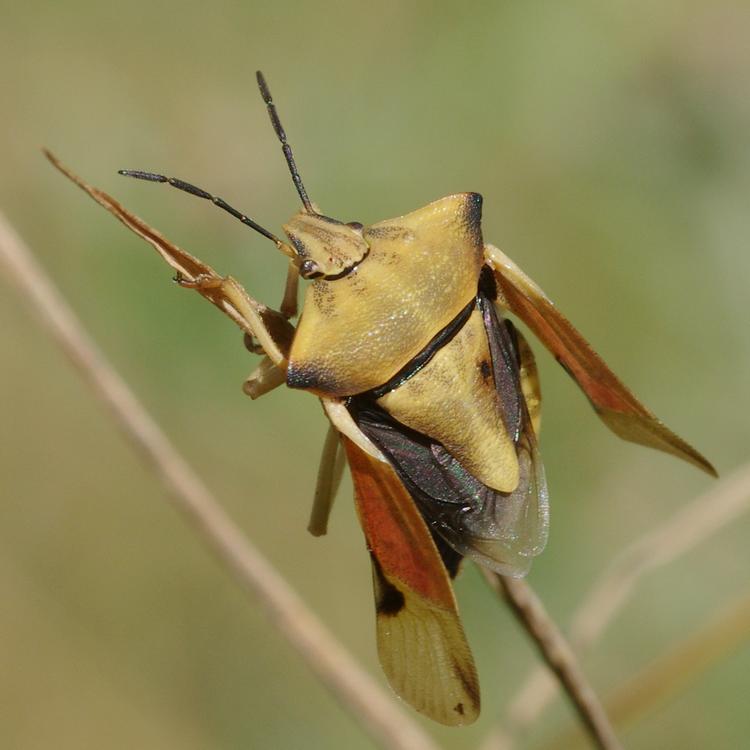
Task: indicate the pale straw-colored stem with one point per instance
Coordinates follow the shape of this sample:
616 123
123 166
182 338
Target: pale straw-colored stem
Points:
379 714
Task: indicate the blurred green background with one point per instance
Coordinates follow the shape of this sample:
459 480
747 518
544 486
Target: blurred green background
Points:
611 143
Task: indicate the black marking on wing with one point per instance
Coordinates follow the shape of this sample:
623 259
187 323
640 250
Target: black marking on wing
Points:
470 686
389 601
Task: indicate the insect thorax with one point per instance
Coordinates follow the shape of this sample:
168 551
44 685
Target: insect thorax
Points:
420 271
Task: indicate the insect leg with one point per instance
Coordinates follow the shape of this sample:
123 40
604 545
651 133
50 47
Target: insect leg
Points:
268 376
264 378
342 420
269 327
272 330
329 478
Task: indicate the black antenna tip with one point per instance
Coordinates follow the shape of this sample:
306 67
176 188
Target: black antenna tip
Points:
263 86
139 175
281 135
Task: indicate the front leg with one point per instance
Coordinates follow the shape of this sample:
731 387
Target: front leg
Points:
270 328
264 378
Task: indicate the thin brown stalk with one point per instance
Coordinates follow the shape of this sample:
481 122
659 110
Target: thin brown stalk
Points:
558 656
671 672
678 535
386 722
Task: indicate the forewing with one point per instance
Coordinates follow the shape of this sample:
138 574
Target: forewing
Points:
501 531
421 643
617 407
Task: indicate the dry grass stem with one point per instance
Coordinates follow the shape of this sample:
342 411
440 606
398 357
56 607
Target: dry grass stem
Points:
386 722
684 531
558 656
671 672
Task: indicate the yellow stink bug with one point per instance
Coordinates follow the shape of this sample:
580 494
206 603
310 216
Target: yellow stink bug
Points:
433 399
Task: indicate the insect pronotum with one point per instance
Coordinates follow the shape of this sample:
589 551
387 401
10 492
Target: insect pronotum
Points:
433 400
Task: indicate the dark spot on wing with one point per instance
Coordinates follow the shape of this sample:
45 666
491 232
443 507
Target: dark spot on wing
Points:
485 369
459 709
469 682
391 600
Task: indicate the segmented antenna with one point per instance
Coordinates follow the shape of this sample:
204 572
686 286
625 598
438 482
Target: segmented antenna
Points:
201 193
285 147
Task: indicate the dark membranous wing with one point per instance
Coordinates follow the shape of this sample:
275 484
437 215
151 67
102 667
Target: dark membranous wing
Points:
501 531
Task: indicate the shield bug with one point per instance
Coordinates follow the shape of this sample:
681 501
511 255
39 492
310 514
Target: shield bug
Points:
433 400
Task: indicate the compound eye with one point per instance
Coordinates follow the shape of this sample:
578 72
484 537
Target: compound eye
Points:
309 269
356 226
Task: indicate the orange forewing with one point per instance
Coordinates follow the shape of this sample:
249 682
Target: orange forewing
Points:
618 408
395 532
421 643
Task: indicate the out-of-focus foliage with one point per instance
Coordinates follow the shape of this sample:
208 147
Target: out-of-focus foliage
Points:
611 142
